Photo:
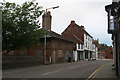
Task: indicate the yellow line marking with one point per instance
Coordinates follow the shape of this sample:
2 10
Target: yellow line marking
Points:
94 72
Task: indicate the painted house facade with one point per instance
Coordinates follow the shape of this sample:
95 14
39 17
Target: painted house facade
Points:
88 46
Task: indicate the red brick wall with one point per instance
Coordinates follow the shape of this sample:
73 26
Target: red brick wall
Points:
62 45
53 44
74 29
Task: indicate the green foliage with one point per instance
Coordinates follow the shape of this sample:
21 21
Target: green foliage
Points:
20 25
111 52
103 47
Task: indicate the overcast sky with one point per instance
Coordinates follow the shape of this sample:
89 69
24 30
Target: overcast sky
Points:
89 13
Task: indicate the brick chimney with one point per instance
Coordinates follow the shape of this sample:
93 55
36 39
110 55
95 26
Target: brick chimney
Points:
46 21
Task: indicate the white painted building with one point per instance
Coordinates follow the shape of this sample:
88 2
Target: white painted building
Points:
88 46
78 53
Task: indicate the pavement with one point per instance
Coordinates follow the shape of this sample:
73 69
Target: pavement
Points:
105 72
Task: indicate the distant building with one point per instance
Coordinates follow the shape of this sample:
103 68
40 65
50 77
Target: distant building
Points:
95 49
101 55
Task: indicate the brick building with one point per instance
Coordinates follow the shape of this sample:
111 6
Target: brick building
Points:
58 49
75 33
83 46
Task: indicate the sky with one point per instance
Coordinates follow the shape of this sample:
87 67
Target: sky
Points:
89 13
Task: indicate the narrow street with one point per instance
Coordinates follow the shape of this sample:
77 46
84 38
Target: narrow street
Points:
82 69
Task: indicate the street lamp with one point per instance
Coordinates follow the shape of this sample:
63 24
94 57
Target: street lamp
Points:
45 11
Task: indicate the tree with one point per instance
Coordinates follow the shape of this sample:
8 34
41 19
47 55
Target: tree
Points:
103 47
111 52
20 25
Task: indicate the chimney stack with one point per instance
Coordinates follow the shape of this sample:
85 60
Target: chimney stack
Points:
46 21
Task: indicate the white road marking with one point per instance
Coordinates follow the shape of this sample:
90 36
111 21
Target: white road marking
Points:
52 72
17 70
73 67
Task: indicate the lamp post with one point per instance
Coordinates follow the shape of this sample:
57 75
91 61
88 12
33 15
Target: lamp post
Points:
45 11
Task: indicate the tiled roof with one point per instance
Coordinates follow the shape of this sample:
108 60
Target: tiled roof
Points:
55 35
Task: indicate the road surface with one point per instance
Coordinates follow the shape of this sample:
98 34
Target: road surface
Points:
82 69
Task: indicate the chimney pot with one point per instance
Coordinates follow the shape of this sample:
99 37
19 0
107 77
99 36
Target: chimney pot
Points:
72 22
82 26
49 12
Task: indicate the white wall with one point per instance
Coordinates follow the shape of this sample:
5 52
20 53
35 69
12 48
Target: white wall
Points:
88 42
75 55
96 52
79 47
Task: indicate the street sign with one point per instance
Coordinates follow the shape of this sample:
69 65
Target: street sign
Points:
111 23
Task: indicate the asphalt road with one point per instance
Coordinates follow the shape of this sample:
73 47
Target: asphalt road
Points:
82 69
